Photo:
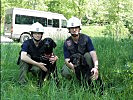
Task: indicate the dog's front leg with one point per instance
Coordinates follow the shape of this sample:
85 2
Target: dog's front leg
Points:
41 77
78 73
55 76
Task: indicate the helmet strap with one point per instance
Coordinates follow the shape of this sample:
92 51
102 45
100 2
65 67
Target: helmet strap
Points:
36 39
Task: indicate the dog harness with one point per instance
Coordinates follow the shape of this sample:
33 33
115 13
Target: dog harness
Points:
47 56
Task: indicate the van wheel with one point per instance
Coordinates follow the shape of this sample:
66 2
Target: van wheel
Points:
24 37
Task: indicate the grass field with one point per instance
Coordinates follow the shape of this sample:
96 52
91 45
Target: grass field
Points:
116 70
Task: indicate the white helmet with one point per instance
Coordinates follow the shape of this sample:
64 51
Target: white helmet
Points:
37 27
73 22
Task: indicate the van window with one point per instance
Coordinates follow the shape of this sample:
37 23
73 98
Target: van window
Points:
49 21
17 19
23 19
41 20
8 19
56 23
63 23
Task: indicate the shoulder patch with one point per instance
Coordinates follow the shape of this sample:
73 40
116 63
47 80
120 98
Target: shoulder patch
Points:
69 43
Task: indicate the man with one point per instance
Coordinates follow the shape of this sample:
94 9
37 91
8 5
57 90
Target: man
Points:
79 43
31 49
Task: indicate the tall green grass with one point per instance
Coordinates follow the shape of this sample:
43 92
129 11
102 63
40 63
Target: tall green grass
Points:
116 70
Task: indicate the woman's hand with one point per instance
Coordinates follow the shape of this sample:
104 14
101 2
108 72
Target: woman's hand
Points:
95 73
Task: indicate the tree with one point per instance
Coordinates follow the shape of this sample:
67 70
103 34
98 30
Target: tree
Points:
28 4
117 10
69 8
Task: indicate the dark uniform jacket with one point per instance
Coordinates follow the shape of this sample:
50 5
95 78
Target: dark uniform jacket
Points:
84 45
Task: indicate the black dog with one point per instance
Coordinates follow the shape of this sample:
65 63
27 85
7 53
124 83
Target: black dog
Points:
47 52
82 69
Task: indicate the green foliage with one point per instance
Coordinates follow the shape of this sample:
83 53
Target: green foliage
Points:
118 10
117 31
68 8
116 70
28 4
128 22
93 31
2 29
91 11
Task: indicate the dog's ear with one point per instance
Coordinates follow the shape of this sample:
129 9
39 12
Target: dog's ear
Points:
54 44
71 59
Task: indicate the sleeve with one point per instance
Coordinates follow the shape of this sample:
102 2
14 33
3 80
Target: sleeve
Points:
24 46
90 46
66 52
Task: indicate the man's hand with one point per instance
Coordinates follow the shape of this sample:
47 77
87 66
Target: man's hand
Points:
95 73
73 68
42 66
69 64
53 59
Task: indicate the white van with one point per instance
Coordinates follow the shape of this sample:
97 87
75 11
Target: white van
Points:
18 22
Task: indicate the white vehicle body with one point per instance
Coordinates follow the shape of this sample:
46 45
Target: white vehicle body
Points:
5 40
18 23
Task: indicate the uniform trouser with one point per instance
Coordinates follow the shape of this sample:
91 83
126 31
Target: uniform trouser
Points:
24 69
67 72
